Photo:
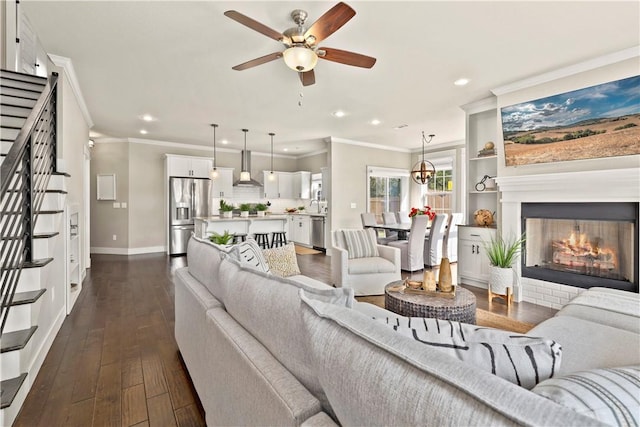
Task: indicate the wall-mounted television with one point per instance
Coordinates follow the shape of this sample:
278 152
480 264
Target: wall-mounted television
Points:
594 122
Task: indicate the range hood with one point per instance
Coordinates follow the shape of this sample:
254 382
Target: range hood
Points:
246 167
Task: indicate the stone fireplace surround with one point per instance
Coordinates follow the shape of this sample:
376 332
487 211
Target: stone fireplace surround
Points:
614 185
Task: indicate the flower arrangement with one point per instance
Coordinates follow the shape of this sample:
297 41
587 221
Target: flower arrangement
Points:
426 211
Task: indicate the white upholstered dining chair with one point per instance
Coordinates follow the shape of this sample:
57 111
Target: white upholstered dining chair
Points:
433 243
411 250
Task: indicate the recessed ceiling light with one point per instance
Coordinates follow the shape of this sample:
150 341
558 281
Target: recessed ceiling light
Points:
224 141
144 132
400 126
375 122
148 118
461 82
338 113
285 149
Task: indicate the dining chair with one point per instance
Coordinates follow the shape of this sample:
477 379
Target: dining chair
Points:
369 220
390 218
433 243
403 217
456 220
412 249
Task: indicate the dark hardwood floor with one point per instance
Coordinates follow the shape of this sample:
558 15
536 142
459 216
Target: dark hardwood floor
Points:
115 360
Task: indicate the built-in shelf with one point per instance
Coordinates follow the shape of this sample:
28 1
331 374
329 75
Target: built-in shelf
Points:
483 158
484 192
74 277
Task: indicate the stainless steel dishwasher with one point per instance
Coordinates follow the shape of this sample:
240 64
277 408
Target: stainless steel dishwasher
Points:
317 232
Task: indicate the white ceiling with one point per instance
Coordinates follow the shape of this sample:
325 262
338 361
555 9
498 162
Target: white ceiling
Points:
173 60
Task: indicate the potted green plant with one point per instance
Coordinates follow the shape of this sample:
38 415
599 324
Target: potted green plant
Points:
261 209
244 209
301 208
221 239
226 209
502 254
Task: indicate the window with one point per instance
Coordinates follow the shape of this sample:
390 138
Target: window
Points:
388 190
439 192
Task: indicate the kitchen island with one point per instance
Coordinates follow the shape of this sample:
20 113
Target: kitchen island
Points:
204 226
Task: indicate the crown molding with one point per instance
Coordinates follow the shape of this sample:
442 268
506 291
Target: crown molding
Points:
313 153
481 105
591 64
72 78
335 140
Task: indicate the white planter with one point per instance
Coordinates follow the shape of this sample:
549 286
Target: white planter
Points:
260 213
228 214
500 279
244 214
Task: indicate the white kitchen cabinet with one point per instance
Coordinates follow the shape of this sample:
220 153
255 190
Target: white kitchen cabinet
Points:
473 263
222 186
301 229
186 166
302 185
270 186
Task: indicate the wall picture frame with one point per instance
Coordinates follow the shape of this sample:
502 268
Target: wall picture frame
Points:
106 186
594 122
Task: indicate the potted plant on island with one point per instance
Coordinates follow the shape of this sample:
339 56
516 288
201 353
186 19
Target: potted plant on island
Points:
502 254
244 209
261 209
226 209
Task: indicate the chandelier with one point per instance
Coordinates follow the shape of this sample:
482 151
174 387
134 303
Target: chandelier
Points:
424 170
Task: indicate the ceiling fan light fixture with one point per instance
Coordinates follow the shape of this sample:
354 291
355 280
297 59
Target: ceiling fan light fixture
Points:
300 58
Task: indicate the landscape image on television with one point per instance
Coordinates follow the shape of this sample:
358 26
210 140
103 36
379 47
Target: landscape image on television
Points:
598 121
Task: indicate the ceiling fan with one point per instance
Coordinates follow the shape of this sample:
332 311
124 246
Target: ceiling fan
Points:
302 51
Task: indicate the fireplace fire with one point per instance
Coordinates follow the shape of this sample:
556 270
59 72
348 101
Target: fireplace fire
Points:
582 244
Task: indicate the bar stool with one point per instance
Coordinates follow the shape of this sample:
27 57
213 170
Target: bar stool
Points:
278 238
262 239
239 237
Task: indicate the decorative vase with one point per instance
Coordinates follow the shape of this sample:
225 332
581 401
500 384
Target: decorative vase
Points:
445 281
429 280
244 214
500 279
227 214
260 213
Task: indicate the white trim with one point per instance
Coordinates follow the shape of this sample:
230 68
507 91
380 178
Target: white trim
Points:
480 106
571 70
192 146
72 78
127 251
368 145
313 153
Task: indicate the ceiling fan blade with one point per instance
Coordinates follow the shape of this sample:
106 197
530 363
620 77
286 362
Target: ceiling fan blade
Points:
308 78
330 22
257 26
258 61
346 57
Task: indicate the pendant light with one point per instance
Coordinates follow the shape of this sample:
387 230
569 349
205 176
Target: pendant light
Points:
245 175
424 170
272 176
213 174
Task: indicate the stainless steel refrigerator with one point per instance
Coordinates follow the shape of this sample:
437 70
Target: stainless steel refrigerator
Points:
188 198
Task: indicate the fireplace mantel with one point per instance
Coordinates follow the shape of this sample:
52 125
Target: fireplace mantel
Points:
620 185
613 185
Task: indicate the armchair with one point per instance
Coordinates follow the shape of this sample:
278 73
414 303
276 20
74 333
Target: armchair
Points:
367 276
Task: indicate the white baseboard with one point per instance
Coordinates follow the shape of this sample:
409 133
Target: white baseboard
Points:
128 251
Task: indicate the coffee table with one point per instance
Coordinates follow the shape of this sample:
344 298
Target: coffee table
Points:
462 308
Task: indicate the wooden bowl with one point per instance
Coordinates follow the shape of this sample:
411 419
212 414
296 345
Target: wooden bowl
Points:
413 284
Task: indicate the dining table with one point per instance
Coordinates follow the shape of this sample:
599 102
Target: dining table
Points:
402 228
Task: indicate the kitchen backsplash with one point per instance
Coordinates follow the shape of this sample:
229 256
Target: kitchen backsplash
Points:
254 195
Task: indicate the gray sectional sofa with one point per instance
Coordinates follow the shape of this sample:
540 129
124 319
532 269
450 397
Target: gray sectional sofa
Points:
263 350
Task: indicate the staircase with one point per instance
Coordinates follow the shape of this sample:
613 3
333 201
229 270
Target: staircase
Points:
32 202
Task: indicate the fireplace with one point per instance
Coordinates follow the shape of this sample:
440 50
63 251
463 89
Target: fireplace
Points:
582 244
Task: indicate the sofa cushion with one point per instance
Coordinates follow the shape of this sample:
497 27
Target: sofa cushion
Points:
282 260
609 395
375 376
521 359
588 345
370 265
269 308
203 259
250 255
361 243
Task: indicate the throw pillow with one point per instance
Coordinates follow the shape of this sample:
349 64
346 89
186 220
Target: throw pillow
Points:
250 255
609 394
282 261
521 359
361 243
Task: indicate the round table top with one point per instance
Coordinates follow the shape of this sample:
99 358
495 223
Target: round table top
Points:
461 308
